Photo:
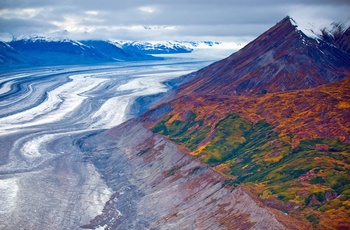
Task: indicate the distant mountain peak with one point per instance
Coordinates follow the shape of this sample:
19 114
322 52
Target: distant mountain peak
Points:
39 38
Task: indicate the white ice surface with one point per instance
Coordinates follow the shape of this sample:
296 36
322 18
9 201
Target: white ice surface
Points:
34 138
8 195
6 87
70 96
96 192
113 111
31 149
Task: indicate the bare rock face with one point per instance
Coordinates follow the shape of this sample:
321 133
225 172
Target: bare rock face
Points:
158 186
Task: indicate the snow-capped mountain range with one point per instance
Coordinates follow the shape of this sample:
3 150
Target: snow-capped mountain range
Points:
160 47
45 51
42 51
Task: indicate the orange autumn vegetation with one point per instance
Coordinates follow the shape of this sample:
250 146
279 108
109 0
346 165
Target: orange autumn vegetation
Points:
289 169
322 112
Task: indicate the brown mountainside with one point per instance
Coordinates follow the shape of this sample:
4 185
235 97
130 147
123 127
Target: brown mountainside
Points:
321 112
273 118
281 59
291 149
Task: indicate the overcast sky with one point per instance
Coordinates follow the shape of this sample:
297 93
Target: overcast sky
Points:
158 20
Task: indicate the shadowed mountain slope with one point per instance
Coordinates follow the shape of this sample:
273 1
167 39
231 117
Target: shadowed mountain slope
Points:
9 55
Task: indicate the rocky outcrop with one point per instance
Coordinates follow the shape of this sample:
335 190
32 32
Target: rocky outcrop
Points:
156 185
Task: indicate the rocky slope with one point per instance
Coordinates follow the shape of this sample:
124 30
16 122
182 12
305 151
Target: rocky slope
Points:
157 185
283 58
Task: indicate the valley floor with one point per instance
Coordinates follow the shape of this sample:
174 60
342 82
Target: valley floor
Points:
45 182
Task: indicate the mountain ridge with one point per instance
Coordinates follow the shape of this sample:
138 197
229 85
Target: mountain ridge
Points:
41 51
30 51
290 147
289 60
169 47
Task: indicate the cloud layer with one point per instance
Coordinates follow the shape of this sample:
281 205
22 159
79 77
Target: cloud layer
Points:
221 20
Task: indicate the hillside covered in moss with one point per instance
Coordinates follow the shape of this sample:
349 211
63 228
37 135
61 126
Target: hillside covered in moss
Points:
278 152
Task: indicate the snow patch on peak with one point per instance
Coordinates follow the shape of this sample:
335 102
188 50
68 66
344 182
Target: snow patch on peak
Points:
156 46
308 29
293 22
336 29
115 43
36 38
319 32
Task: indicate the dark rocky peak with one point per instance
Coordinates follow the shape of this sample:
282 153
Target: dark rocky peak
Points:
279 33
282 58
282 29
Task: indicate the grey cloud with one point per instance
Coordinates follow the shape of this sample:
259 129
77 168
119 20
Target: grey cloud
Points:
17 26
224 30
195 18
